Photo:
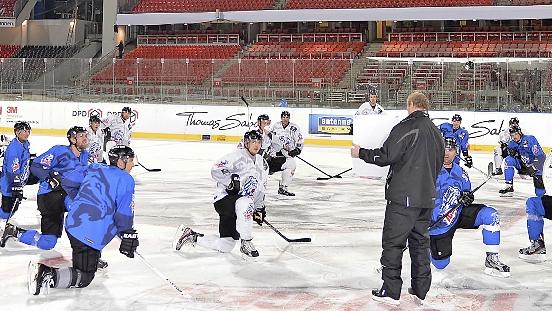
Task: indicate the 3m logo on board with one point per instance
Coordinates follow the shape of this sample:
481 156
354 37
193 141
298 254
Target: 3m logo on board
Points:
11 109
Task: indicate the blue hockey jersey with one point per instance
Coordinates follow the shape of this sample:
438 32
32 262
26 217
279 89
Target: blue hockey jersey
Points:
529 149
449 187
15 168
60 159
103 207
460 134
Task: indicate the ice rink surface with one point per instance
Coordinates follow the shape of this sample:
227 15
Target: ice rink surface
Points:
336 271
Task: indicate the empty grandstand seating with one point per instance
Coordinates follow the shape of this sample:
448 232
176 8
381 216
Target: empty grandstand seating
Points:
293 63
512 48
7 51
332 4
390 73
471 36
531 2
173 6
7 7
183 64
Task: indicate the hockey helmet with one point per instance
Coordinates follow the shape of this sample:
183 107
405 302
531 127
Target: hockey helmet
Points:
515 129
263 117
513 121
94 118
450 143
120 152
72 132
373 91
21 126
456 117
126 109
285 113
251 135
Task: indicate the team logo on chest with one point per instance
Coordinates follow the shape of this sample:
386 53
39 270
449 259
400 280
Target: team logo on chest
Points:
47 160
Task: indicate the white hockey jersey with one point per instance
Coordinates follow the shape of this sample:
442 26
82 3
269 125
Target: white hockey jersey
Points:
120 130
366 108
266 139
95 145
253 172
285 139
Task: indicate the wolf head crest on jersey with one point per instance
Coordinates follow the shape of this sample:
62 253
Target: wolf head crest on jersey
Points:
450 199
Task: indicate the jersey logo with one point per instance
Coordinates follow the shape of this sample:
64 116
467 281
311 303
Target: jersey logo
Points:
222 164
450 200
47 160
15 165
535 150
249 187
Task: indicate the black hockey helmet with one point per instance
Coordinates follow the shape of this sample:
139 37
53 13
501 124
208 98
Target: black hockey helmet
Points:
450 142
513 121
251 135
263 117
72 132
515 129
126 109
372 91
21 126
285 113
120 152
94 118
456 117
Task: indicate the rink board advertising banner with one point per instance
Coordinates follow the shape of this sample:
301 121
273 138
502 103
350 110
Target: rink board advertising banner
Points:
329 124
178 121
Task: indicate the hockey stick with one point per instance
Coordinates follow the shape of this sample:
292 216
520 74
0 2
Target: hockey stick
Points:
159 274
14 207
149 169
335 176
489 176
248 114
481 171
316 168
283 236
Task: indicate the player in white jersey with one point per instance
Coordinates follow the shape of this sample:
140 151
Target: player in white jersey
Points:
263 127
117 129
370 106
241 178
95 140
501 152
287 143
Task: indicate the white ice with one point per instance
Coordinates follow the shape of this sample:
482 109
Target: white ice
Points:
336 271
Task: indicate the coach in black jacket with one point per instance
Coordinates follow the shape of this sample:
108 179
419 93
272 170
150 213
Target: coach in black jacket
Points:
414 151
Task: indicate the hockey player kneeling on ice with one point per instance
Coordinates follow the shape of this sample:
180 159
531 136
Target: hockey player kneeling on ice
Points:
50 168
102 209
287 143
501 152
453 191
527 157
239 200
537 209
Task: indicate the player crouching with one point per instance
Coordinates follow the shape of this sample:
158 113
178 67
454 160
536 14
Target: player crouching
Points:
239 199
454 210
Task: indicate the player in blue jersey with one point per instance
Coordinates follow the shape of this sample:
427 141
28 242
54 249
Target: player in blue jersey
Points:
461 135
537 209
454 209
15 170
102 209
50 167
527 157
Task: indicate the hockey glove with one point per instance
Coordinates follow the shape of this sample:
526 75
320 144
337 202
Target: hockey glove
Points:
514 153
129 243
234 186
504 149
54 180
107 133
466 198
17 192
259 215
469 161
295 152
531 170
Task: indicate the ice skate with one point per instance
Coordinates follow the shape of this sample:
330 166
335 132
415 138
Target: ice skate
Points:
498 171
494 267
381 296
184 236
508 191
415 297
248 248
536 252
10 231
102 264
283 191
39 276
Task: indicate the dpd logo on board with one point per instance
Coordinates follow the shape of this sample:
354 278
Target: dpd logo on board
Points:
87 113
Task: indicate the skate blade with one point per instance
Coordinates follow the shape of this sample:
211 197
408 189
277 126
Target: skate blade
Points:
538 258
386 300
496 273
31 276
507 195
177 236
417 301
